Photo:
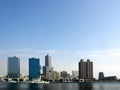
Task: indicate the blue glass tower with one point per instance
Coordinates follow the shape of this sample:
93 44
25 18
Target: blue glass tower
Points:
34 68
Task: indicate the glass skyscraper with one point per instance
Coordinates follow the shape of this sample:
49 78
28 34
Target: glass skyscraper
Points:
101 76
48 61
34 68
47 68
13 67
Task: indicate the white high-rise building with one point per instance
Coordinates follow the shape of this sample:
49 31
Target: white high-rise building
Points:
13 67
75 74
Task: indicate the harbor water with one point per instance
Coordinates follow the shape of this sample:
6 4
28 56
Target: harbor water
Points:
61 86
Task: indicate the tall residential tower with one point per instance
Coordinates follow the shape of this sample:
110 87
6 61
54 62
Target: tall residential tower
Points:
86 70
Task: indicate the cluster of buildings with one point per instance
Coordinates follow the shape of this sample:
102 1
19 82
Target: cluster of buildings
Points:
101 77
35 69
85 72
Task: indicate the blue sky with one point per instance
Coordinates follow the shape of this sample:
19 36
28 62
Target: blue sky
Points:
66 29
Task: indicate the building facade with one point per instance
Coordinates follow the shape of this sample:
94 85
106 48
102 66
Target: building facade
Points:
75 74
53 76
13 67
101 76
86 70
47 69
63 74
48 61
34 68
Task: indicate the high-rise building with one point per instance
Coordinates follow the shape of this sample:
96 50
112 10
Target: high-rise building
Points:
34 68
54 76
101 76
47 68
48 61
13 67
86 70
75 74
63 74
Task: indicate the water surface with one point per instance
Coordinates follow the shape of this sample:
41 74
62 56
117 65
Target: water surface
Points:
62 86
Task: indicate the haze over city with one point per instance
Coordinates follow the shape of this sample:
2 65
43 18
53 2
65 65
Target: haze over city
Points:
67 30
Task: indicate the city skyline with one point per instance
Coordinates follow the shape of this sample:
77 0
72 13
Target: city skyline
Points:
27 68
67 30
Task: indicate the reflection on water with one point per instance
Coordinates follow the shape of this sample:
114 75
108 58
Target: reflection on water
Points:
69 86
61 86
106 86
33 87
85 86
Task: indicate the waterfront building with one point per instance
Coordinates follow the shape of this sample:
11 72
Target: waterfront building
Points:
34 68
75 74
48 63
64 74
110 78
13 67
85 70
47 69
53 76
101 76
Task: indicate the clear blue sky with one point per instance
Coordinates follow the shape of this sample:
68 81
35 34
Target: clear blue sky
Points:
60 26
